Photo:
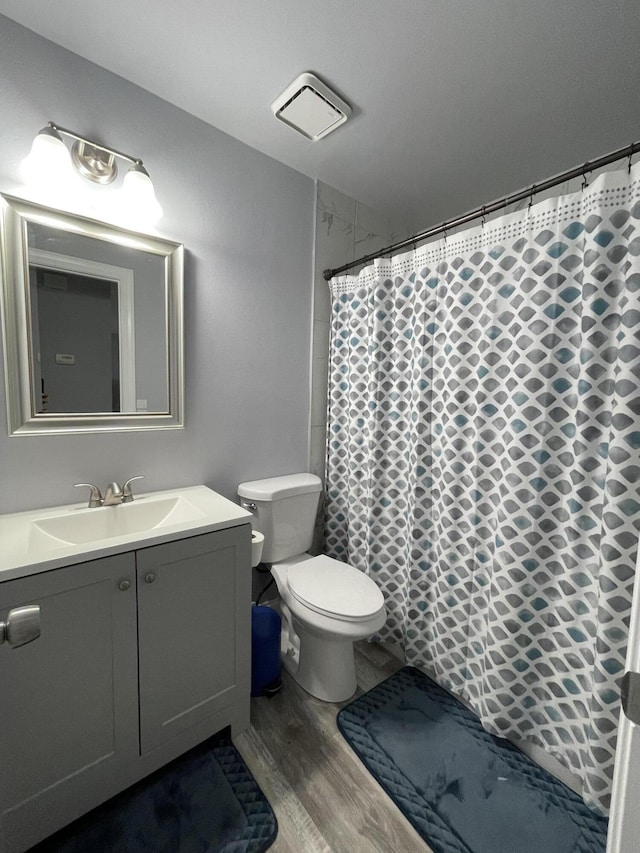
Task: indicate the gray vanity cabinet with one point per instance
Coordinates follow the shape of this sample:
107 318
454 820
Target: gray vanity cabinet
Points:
68 700
142 655
191 597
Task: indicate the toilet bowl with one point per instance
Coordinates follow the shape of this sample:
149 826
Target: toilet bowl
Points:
326 605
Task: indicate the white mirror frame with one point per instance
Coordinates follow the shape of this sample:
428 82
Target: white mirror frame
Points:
15 214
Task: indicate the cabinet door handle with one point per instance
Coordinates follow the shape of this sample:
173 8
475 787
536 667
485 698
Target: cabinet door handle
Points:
22 626
124 584
149 577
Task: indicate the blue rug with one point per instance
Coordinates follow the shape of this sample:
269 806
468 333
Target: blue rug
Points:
206 801
464 790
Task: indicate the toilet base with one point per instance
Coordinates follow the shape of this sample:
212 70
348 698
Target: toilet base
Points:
323 667
321 664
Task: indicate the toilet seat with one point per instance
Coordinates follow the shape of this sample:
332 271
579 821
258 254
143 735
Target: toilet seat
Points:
334 589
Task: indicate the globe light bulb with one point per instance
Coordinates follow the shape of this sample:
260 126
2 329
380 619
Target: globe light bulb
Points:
48 164
138 197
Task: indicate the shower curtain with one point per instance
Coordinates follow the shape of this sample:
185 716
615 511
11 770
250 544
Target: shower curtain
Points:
483 454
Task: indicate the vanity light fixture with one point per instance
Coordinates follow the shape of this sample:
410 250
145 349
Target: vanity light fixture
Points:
51 163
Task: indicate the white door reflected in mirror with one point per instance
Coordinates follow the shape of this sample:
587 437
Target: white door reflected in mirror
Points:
83 317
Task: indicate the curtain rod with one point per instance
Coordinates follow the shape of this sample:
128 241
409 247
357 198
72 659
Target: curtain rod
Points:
589 166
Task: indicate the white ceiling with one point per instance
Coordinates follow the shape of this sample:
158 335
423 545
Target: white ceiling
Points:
455 102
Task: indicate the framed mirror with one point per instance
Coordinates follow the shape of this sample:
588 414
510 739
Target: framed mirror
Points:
92 321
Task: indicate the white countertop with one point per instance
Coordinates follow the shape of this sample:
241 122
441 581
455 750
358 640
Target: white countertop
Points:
25 550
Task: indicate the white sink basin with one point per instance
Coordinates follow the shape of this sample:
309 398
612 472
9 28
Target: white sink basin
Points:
81 526
43 539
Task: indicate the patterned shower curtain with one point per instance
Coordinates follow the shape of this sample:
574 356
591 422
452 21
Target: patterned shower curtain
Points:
484 459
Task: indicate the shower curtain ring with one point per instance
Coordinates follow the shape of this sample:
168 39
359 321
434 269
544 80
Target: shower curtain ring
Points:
531 194
630 156
585 182
484 218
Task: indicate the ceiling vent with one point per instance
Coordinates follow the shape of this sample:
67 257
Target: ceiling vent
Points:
310 107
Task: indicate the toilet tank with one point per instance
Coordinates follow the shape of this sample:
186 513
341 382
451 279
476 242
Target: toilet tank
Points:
285 513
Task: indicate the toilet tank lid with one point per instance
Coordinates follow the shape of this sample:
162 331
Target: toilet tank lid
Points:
275 488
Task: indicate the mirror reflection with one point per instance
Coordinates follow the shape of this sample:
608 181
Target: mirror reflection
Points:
98 328
92 324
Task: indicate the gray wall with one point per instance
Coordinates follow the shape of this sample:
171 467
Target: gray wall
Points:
247 224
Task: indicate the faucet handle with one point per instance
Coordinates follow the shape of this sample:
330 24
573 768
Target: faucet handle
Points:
95 498
127 494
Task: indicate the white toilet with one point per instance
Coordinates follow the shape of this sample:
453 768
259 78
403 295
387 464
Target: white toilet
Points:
326 605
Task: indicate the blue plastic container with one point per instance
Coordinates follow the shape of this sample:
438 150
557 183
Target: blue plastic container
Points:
265 650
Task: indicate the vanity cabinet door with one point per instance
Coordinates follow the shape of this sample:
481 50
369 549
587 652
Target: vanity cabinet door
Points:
68 700
194 632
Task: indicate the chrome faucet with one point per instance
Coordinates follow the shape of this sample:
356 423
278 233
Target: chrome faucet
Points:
113 494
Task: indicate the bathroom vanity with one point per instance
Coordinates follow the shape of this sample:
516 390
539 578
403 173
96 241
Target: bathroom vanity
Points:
144 648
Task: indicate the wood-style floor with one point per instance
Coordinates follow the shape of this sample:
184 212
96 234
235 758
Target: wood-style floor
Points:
324 798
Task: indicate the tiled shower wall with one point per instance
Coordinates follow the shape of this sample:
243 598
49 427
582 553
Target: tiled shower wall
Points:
346 229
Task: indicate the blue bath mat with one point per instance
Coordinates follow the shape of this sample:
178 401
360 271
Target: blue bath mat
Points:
206 801
464 790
